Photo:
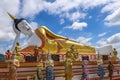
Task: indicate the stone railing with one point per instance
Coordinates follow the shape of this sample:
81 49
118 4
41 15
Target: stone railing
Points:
27 70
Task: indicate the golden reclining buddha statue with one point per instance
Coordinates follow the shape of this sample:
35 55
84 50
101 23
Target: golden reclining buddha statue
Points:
46 39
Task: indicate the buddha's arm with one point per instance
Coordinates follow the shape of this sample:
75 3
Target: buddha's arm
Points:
49 34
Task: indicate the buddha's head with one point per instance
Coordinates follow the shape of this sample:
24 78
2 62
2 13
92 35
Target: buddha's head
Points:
21 25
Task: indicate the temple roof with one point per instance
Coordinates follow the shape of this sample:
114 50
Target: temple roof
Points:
29 49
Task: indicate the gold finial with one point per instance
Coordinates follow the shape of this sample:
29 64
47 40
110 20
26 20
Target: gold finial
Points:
11 16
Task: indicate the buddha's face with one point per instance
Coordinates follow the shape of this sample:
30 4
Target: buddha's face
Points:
24 27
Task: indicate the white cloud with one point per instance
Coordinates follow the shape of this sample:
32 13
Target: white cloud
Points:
113 19
70 9
34 25
88 4
8 6
77 25
89 17
111 6
102 42
75 16
5 21
113 9
102 34
113 40
61 6
83 40
6 36
31 8
62 21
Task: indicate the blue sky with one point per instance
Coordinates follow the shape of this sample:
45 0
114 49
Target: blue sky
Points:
93 22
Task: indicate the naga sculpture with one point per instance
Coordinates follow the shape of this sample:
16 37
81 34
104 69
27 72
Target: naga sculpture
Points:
17 52
13 64
46 39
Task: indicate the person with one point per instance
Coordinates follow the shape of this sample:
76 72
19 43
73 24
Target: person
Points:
46 39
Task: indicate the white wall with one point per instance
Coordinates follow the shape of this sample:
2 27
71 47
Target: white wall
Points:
105 49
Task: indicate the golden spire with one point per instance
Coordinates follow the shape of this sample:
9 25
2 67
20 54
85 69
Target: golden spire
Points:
11 16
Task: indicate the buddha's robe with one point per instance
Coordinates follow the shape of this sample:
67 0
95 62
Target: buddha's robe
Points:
59 44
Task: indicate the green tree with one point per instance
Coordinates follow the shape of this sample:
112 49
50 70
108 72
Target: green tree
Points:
2 58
